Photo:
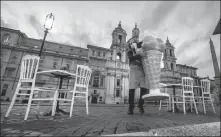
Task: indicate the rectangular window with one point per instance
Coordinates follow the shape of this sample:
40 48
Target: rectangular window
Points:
9 72
55 65
103 54
96 82
93 52
118 82
67 66
118 93
119 39
99 53
102 82
171 52
14 59
4 90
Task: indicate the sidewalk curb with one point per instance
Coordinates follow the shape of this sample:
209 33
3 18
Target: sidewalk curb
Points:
205 129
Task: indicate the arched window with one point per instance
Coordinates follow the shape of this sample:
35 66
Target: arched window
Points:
171 66
171 52
6 39
119 56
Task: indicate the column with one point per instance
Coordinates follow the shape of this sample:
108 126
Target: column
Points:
114 53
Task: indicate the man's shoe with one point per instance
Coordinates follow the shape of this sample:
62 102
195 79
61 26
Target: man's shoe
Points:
141 109
130 111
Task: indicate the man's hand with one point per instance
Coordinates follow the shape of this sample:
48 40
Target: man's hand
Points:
141 53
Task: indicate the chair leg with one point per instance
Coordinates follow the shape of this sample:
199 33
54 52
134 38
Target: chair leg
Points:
204 107
12 103
160 105
72 104
191 105
212 105
29 104
195 105
184 106
173 104
54 103
169 103
87 104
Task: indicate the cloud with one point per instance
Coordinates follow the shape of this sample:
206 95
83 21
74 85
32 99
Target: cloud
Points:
4 24
35 24
188 24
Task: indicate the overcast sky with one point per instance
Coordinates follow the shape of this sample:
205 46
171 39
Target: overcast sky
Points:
189 25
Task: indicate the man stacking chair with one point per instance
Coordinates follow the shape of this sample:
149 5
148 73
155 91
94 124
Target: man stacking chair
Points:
80 90
29 67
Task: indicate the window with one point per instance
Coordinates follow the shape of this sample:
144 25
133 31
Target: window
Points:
4 90
118 82
55 65
118 93
103 54
67 66
100 99
6 39
165 52
171 52
102 82
171 66
118 56
95 91
13 59
119 39
99 53
9 72
93 52
96 81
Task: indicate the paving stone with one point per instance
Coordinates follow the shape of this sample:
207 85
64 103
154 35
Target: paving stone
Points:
101 120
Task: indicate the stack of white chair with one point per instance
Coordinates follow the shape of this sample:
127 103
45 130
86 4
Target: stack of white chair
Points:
187 95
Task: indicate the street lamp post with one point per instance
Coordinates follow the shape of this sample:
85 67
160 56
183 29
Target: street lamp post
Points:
48 26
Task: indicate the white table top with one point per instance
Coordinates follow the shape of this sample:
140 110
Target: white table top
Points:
57 72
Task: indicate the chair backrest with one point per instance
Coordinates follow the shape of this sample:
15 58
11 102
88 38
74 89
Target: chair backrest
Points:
83 75
29 67
205 86
187 85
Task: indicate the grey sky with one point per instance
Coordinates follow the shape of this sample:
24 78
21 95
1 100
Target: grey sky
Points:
187 24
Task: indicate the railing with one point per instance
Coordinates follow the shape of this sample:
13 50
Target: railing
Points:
116 64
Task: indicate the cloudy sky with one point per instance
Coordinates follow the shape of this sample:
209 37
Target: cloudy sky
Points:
189 25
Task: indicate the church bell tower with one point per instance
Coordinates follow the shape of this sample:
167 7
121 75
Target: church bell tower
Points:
118 44
169 58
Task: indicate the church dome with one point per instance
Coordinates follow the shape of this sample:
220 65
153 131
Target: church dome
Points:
119 29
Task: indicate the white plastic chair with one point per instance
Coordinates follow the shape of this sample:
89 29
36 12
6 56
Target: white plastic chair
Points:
206 95
187 95
83 74
29 67
167 101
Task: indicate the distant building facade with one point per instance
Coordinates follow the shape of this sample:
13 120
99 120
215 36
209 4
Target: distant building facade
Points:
109 81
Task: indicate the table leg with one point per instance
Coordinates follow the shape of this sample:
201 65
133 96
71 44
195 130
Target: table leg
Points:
57 107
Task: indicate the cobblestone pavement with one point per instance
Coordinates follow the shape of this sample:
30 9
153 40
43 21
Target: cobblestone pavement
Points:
102 120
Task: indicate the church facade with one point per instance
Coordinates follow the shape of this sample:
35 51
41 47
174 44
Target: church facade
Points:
109 81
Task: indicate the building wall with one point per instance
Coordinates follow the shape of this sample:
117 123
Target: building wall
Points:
57 56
